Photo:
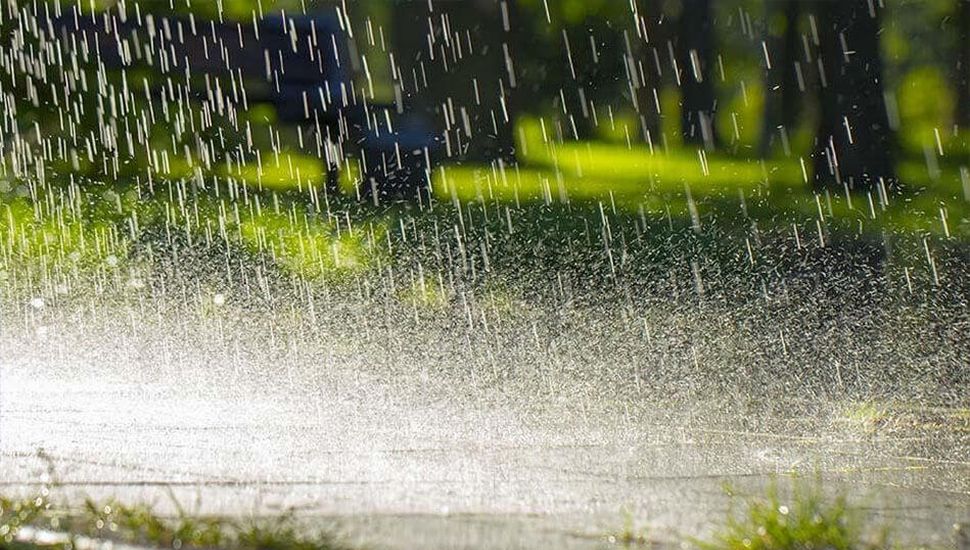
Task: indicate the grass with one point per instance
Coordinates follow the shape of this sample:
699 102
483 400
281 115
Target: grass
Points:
18 513
805 521
303 244
630 536
569 202
97 227
866 416
871 417
273 205
693 184
141 525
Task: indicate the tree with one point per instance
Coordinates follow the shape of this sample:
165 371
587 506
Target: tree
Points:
652 36
458 69
695 59
782 88
854 142
962 118
504 144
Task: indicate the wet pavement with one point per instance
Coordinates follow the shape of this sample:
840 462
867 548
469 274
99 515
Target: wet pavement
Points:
409 471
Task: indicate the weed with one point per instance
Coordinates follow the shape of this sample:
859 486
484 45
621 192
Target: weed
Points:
806 521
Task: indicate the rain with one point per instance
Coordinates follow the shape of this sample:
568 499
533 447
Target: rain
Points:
485 274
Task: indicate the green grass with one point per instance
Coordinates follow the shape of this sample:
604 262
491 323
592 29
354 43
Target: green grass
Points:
307 245
18 513
691 184
49 236
27 231
275 209
280 172
871 417
805 521
140 524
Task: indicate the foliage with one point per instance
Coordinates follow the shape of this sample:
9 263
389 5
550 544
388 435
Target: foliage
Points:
140 524
18 513
806 521
925 108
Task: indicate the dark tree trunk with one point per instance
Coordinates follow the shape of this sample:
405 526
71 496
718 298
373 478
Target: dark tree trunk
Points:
854 143
503 145
597 59
575 89
650 38
963 64
782 85
696 62
468 94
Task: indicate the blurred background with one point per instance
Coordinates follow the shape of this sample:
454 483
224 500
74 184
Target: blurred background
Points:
511 257
741 80
687 153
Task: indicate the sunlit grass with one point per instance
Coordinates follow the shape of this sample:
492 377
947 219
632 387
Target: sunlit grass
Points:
30 233
685 184
305 245
807 520
275 205
98 228
280 172
604 165
140 524
663 182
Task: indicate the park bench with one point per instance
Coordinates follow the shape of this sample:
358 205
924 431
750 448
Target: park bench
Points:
298 64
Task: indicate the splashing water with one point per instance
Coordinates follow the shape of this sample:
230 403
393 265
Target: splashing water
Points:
194 303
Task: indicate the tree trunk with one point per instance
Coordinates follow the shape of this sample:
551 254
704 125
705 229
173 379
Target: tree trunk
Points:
502 146
854 142
696 62
962 118
599 60
782 88
466 93
650 38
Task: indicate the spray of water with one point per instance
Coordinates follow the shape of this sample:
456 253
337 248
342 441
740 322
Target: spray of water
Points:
185 305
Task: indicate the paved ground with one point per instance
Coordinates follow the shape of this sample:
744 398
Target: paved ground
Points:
241 409
402 473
